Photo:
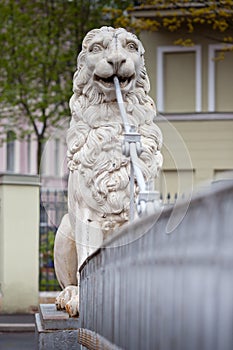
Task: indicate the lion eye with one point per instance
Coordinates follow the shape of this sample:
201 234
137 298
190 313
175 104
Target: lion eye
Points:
96 48
132 46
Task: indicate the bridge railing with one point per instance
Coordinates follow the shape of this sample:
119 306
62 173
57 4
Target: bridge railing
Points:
146 289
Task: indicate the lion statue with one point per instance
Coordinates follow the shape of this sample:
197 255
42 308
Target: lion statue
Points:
98 188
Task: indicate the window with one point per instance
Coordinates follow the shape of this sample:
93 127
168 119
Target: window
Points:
179 79
175 183
10 151
226 174
29 153
220 82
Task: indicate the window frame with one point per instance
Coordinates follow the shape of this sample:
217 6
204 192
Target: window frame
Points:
10 151
211 74
161 50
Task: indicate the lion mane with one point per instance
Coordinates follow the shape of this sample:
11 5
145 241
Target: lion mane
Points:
99 172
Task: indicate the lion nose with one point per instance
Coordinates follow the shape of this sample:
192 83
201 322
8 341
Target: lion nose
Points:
116 60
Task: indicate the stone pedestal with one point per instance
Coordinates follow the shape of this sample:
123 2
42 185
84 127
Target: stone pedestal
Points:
19 239
55 329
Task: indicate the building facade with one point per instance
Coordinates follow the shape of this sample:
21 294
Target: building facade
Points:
193 89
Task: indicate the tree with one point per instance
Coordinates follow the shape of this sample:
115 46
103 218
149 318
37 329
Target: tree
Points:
39 44
182 17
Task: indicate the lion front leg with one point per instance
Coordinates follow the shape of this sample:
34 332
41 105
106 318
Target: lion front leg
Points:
66 265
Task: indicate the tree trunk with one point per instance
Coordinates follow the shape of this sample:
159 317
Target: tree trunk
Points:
40 148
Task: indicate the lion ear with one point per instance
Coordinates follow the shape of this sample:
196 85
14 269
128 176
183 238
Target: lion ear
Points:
89 36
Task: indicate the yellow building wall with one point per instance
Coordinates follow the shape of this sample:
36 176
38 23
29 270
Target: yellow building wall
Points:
196 152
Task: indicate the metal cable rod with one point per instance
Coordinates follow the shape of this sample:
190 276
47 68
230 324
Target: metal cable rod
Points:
131 148
137 170
121 104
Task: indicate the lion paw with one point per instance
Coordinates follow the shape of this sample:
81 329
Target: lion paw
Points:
68 300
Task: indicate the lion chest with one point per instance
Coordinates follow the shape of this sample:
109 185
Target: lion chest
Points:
103 172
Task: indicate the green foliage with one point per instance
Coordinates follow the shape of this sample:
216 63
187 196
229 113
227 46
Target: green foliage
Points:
182 17
34 63
49 285
47 244
48 281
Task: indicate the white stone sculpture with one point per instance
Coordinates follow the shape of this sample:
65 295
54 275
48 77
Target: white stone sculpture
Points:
98 189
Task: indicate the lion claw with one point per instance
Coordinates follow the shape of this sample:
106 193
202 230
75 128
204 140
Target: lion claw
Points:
68 300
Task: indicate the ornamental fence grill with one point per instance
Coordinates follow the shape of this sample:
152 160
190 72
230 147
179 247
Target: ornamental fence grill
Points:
53 205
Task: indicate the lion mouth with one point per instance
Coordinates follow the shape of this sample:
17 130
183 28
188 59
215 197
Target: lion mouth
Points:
108 82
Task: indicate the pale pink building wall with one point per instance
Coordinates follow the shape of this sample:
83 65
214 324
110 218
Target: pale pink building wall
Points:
3 158
53 169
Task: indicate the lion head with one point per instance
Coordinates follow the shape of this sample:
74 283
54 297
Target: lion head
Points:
99 173
109 52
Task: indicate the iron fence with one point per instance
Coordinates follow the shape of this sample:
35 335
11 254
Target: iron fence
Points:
53 205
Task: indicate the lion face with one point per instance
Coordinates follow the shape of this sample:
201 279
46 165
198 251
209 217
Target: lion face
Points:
109 52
